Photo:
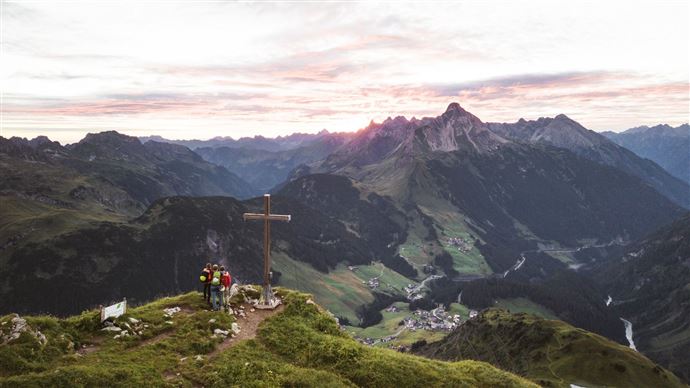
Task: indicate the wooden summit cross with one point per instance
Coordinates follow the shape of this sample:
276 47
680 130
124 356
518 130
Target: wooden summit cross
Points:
268 300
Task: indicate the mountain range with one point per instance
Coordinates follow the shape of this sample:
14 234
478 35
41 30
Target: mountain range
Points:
667 146
444 210
563 132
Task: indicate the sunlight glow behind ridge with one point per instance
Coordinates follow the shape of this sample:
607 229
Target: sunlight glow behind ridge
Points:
198 70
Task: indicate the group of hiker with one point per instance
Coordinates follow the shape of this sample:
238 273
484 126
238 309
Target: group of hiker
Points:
217 285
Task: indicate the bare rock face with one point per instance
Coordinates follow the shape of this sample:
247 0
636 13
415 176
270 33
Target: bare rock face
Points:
458 129
560 131
563 132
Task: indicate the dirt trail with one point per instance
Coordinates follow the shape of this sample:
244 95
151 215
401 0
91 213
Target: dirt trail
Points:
91 345
248 327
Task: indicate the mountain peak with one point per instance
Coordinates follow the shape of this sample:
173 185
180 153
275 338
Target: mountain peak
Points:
110 145
107 137
455 107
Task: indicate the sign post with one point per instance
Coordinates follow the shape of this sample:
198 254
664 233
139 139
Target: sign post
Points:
114 311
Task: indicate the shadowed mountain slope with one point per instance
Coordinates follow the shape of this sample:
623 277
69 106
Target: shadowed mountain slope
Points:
563 132
650 286
668 146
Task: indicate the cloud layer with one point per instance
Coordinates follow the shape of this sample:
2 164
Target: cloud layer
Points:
205 69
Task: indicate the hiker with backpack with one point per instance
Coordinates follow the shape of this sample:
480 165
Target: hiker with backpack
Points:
216 296
205 279
226 281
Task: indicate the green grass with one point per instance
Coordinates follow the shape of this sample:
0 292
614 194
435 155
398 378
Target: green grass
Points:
550 352
564 257
471 262
301 346
38 221
416 249
341 291
460 309
117 362
390 282
524 305
308 340
389 323
450 223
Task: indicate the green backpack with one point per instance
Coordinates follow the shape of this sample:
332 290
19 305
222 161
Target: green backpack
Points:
216 278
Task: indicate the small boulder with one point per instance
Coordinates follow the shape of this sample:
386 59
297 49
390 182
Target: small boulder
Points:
41 338
170 311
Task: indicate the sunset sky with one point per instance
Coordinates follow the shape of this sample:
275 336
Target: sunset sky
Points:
202 69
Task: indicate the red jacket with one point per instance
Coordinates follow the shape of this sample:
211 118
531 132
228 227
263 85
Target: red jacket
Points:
225 279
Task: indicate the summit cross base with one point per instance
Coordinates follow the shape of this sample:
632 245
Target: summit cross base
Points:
268 300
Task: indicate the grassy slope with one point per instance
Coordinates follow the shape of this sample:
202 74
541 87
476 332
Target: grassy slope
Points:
302 346
451 224
552 353
341 291
52 210
312 344
524 305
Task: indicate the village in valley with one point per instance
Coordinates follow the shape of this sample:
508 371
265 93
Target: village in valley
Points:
438 320
399 321
463 244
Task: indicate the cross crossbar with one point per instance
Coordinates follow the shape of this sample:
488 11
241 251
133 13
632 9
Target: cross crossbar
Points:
270 217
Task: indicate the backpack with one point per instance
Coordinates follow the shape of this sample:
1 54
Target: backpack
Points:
216 279
204 276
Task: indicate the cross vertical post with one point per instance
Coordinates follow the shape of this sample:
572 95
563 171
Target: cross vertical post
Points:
267 298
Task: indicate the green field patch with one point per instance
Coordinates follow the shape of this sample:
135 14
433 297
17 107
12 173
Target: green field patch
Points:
458 240
460 309
32 221
390 282
416 250
564 257
524 305
341 291
466 257
408 337
389 325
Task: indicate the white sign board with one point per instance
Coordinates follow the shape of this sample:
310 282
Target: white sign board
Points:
114 311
